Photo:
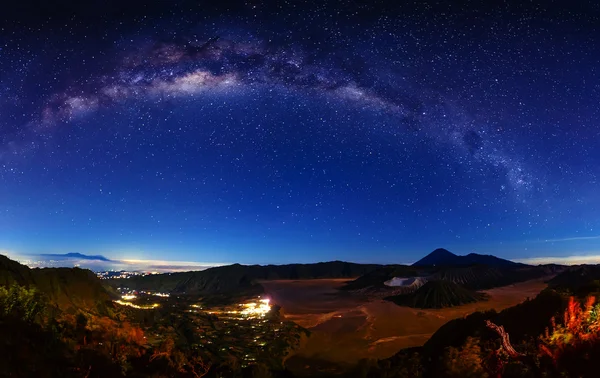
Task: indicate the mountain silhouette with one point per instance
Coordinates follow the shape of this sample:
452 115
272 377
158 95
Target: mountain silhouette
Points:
443 257
75 255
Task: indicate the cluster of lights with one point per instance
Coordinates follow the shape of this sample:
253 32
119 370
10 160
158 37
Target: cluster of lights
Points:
250 310
109 275
260 309
149 307
163 295
128 294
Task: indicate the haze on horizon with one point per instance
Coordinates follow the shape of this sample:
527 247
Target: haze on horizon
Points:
237 139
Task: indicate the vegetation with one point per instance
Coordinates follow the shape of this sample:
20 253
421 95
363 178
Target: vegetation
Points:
64 288
18 302
36 344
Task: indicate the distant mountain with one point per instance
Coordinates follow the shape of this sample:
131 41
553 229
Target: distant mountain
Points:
438 257
438 294
443 257
64 287
75 256
237 277
473 272
490 260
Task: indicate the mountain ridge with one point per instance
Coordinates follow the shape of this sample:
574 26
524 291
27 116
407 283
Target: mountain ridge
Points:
443 257
236 277
76 255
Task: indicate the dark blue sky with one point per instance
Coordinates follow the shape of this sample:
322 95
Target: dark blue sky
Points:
258 133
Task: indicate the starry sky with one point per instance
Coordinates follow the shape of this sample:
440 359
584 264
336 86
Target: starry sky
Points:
278 132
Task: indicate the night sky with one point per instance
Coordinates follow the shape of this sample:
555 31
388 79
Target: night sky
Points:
276 133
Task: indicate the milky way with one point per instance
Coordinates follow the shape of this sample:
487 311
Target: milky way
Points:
166 71
230 136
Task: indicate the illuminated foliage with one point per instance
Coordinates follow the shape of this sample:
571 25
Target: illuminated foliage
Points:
570 347
118 339
466 361
578 331
21 303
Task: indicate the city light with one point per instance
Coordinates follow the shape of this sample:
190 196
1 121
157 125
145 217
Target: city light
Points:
148 307
128 297
256 309
249 310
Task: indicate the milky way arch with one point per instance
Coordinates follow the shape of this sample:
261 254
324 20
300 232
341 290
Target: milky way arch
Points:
217 64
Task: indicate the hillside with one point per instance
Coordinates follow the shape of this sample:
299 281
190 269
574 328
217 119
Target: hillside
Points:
63 287
71 287
524 322
13 272
577 278
236 277
438 294
487 277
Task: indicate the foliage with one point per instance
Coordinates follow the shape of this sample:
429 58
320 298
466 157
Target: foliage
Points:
573 344
569 347
464 362
21 303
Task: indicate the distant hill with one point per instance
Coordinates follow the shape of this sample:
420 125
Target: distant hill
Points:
443 257
577 278
64 287
438 294
370 279
237 277
75 255
482 277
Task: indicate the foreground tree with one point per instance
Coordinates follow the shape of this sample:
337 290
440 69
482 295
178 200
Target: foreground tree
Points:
465 362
